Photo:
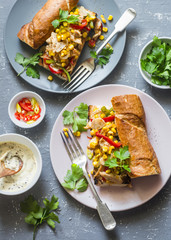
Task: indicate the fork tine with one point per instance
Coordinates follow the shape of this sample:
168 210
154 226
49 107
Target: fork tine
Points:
73 143
76 75
66 82
79 82
68 147
75 139
79 78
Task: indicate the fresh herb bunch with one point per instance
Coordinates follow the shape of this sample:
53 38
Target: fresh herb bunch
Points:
103 57
120 159
75 179
29 64
77 118
64 17
36 215
158 62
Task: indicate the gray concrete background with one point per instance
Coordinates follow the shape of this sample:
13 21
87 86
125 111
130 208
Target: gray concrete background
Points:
151 220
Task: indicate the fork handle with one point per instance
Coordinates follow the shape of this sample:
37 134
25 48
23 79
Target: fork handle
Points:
121 24
105 215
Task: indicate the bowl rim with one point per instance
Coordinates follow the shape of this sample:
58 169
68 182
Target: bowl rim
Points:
142 71
39 165
23 124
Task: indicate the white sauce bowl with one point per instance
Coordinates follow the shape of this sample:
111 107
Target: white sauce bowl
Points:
11 137
16 99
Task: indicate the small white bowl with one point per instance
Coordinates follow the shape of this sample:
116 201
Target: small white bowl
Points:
16 99
146 49
11 137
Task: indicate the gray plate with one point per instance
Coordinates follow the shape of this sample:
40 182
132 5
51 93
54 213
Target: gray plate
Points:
23 12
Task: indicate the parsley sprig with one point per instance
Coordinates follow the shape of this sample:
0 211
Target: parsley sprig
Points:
120 159
77 118
103 57
64 17
75 179
158 62
36 215
29 64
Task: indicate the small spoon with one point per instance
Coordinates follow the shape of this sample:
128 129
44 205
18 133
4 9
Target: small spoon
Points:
4 172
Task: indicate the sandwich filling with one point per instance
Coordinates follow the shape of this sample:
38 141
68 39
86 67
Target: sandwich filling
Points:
67 41
109 158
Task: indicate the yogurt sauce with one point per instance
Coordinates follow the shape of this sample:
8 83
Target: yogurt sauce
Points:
12 151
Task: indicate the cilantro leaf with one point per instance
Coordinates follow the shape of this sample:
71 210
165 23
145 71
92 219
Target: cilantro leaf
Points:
158 62
123 153
111 163
103 57
75 179
32 72
77 118
36 215
29 64
68 117
64 17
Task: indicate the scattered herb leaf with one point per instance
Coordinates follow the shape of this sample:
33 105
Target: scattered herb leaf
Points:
65 17
29 64
103 57
36 215
120 160
75 179
158 62
77 118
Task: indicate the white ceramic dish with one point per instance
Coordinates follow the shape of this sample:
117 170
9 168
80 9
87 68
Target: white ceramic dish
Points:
17 98
159 132
11 137
146 49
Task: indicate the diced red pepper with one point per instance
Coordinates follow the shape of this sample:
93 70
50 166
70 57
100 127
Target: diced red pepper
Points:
80 27
17 115
59 71
118 144
109 119
25 106
89 137
91 43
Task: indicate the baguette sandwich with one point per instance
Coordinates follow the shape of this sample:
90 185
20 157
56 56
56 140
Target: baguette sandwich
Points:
120 146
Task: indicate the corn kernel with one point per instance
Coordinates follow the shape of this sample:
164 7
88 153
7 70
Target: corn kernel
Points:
59 38
110 17
76 57
50 78
104 156
103 20
71 13
116 141
92 172
63 64
102 115
85 34
111 137
108 171
113 125
110 149
65 24
101 37
69 39
72 30
71 47
113 130
110 133
66 134
107 181
63 31
96 116
78 134
76 11
108 123
112 113
63 36
57 30
65 129
105 148
51 53
105 29
95 164
97 151
62 54
63 60
92 144
93 132
92 17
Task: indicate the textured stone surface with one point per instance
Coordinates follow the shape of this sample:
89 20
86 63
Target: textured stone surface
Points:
150 221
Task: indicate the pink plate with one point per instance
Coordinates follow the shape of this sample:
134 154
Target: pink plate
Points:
159 132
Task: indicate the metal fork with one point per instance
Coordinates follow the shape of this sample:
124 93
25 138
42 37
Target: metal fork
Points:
88 66
78 157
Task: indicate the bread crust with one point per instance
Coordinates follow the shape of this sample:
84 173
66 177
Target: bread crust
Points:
36 32
130 123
